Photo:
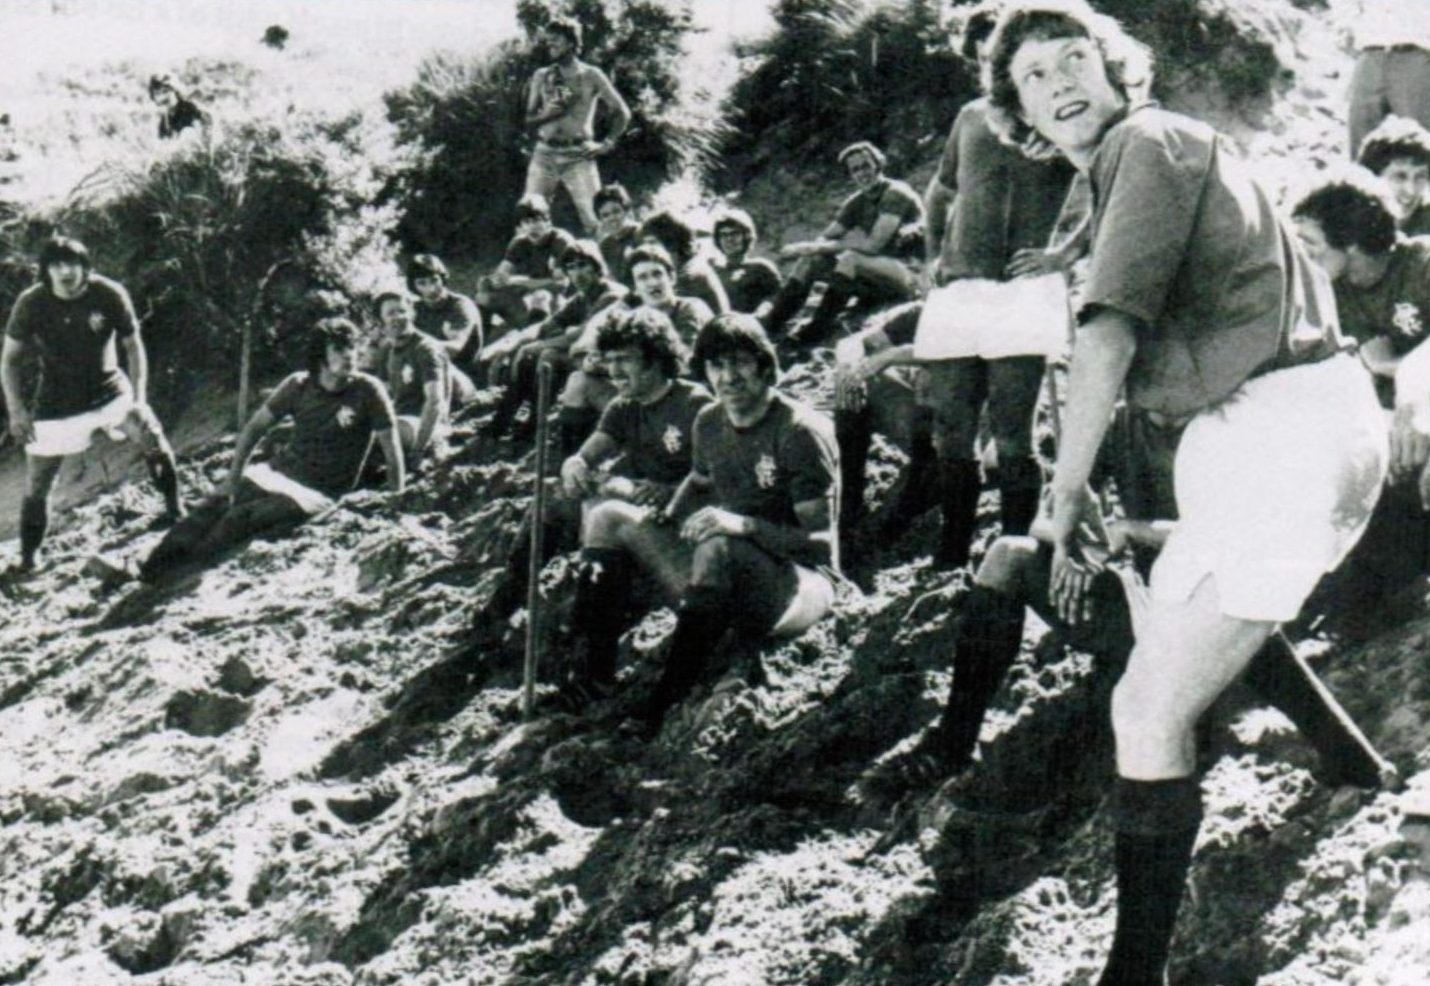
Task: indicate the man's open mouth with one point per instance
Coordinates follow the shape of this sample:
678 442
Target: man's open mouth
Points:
1070 110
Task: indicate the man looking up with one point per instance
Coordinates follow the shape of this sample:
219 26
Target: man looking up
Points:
561 107
1399 152
69 322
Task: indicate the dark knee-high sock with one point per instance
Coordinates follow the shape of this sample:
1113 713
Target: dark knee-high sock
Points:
959 485
1280 677
786 305
1020 482
34 522
599 613
989 636
701 623
853 430
838 289
1157 824
918 492
165 473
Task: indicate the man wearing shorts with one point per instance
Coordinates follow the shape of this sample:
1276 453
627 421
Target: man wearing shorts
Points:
68 322
861 254
419 378
629 466
336 411
758 558
1201 301
561 107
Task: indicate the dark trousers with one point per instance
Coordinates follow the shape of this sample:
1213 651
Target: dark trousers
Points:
218 524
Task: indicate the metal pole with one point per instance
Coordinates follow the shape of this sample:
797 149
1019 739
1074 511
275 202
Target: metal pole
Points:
538 510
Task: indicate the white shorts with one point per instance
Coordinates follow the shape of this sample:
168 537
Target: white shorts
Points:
70 436
1027 316
270 480
1274 486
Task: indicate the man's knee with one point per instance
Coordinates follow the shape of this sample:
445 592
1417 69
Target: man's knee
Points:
40 475
142 427
1145 714
609 524
1008 564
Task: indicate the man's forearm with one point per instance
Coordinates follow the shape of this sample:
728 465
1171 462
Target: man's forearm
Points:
1102 354
431 414
782 539
138 371
14 389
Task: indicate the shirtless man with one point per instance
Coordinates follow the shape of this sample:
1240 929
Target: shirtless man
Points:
561 106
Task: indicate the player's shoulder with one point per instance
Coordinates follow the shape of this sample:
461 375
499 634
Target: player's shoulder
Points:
33 295
1152 125
802 417
692 393
363 380
711 416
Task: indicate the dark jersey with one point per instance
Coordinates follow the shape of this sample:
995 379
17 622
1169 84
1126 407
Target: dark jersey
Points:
577 308
1418 222
448 318
75 343
654 439
697 279
1396 307
750 283
1006 201
332 430
412 364
537 258
614 247
863 209
787 457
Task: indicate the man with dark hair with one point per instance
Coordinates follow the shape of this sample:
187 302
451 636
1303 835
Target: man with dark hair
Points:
419 377
588 389
616 230
694 277
759 558
1399 152
441 313
336 410
751 283
552 339
68 323
628 466
521 289
561 107
1201 304
1382 284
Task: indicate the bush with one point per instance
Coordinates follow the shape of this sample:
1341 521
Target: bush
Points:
466 117
247 228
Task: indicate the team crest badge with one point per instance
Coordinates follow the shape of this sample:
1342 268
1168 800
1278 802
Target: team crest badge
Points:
96 321
407 373
1406 319
765 471
671 439
346 416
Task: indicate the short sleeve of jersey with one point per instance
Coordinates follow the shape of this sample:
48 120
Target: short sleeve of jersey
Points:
429 364
518 251
948 162
21 325
377 405
899 200
848 215
1150 182
469 313
707 421
126 321
617 423
284 399
813 461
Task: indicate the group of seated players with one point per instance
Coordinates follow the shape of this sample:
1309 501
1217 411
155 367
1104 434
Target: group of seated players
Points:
682 459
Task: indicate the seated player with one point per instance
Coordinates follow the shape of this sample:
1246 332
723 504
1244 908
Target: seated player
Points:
617 232
861 254
177 112
588 389
452 319
751 283
1382 285
878 387
337 411
418 378
1399 152
66 327
521 289
552 339
637 455
1097 618
758 557
694 277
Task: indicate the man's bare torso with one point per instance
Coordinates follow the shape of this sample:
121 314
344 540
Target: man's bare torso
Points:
576 87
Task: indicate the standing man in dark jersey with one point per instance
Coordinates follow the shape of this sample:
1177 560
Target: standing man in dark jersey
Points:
69 322
1200 301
